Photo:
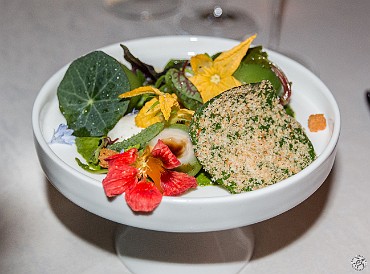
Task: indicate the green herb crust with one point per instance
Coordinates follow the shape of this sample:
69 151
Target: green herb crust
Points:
245 140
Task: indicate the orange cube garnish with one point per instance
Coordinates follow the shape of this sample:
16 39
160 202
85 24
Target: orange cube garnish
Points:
316 122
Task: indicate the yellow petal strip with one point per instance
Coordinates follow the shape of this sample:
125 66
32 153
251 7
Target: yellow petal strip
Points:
185 113
166 102
140 91
228 61
149 114
199 62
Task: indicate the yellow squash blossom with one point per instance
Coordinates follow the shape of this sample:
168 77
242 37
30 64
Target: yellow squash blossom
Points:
211 77
163 107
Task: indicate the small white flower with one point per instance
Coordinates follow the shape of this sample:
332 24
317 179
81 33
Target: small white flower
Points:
63 135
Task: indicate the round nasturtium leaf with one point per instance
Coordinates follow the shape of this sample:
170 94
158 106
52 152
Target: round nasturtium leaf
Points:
88 94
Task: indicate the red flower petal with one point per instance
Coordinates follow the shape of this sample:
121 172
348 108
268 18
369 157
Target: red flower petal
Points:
144 197
126 158
175 183
119 179
163 152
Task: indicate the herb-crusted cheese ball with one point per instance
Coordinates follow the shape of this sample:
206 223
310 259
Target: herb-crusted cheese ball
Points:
245 140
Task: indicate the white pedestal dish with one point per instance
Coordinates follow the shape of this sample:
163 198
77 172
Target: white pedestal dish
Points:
206 228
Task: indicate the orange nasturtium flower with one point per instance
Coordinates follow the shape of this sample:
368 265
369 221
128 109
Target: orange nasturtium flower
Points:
145 177
163 107
212 77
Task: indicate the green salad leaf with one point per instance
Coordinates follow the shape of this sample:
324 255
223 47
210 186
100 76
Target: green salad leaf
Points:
91 168
256 55
187 93
137 64
176 63
203 178
254 73
88 94
89 148
256 67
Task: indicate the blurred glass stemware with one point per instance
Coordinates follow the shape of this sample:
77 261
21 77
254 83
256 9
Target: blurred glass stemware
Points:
142 9
217 19
278 9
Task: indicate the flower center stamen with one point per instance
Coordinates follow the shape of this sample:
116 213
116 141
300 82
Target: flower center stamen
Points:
215 78
154 171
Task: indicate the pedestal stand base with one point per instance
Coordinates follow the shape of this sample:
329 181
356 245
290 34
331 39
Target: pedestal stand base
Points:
220 252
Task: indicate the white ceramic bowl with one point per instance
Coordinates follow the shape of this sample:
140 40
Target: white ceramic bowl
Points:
207 208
